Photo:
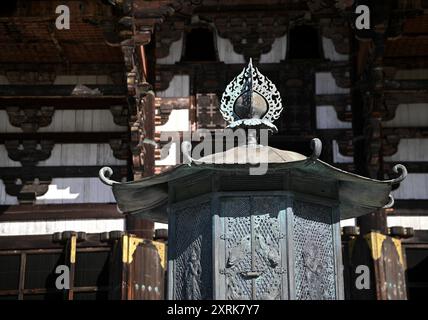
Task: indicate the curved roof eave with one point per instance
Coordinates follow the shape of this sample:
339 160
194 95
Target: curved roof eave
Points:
355 191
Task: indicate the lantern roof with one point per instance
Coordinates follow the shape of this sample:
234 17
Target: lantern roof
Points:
252 102
357 195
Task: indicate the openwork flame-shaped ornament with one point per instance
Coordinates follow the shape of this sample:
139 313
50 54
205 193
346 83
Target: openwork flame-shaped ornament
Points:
251 100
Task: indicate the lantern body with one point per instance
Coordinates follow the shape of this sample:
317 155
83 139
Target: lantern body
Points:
228 240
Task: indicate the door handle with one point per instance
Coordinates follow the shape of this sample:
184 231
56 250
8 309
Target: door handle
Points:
251 274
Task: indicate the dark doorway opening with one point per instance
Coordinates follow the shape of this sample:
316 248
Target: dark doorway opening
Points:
199 45
8 8
304 43
417 276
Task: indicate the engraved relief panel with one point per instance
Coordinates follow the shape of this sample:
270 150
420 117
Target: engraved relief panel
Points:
238 247
314 252
253 267
193 261
267 248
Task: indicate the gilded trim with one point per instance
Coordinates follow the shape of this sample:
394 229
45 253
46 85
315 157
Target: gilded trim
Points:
133 244
375 241
73 249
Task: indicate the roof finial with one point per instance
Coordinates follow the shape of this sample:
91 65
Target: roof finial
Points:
251 100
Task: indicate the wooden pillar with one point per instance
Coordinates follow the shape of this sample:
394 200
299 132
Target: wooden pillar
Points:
140 227
371 85
70 239
384 258
372 248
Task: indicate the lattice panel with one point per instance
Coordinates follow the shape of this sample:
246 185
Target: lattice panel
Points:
193 264
314 255
267 248
253 254
207 112
238 247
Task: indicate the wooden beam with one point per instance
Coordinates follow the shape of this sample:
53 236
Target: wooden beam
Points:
406 62
420 237
30 242
65 137
410 207
395 98
62 102
416 85
333 99
59 90
71 69
26 212
405 132
60 172
412 167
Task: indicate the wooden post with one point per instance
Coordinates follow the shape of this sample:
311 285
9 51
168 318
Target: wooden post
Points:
140 227
22 276
384 257
70 260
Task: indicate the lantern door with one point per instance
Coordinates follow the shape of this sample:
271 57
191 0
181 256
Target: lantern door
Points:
252 240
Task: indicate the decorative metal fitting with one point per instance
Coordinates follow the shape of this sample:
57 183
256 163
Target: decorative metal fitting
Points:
316 146
251 100
399 168
105 173
391 202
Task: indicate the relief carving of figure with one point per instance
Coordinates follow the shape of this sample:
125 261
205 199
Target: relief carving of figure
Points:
313 272
193 276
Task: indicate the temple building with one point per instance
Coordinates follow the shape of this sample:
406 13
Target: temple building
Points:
128 78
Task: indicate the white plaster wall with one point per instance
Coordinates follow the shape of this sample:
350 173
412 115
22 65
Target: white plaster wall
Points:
330 52
278 51
174 55
348 222
93 120
77 190
415 222
6 199
226 53
327 119
178 121
5 161
82 154
20 228
412 150
338 157
325 84
415 186
409 115
161 225
171 158
179 87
